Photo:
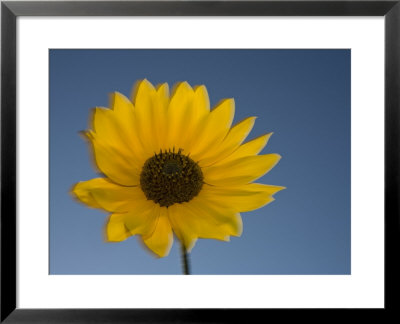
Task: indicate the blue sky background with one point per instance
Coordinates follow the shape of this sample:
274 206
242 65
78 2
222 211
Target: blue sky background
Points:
303 96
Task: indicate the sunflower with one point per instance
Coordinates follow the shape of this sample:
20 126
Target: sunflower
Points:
173 166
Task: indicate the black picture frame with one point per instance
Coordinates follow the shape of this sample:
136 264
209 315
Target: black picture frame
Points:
10 10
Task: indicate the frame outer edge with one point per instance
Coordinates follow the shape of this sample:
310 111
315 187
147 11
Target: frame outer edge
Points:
392 156
203 8
8 162
8 179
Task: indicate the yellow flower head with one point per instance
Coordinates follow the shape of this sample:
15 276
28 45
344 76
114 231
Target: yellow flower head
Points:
172 165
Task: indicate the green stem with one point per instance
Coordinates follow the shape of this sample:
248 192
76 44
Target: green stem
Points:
185 260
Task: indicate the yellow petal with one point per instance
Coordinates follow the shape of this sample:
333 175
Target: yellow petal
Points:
242 198
184 225
143 96
122 106
140 221
115 128
123 113
201 104
194 123
102 193
220 219
160 116
163 94
180 115
103 123
235 137
145 101
115 230
213 129
160 241
85 196
240 171
114 162
200 221
108 130
249 148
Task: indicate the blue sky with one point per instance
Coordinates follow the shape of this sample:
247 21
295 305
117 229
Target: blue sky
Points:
303 96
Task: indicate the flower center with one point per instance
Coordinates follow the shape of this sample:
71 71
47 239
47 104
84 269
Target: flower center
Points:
168 178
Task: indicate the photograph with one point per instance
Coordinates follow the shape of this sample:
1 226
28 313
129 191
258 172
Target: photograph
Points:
199 161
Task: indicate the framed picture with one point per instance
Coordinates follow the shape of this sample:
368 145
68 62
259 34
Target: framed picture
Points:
136 147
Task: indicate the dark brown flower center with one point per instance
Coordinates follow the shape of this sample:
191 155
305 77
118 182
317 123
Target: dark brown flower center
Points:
168 178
